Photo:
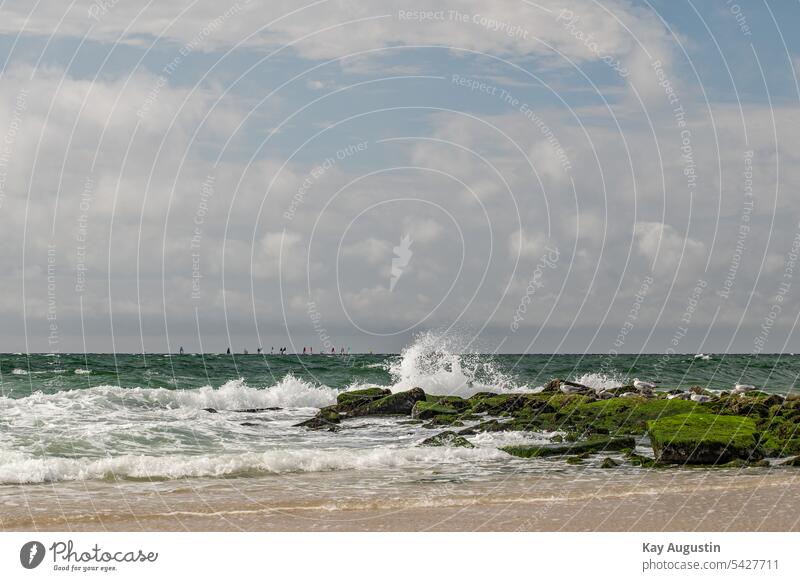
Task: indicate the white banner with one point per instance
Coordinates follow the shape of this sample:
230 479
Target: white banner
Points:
401 556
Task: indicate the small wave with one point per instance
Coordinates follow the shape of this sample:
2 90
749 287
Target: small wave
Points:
18 468
18 371
703 356
290 392
80 371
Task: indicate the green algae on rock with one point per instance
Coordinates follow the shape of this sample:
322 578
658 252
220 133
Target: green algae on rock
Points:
395 404
704 438
448 439
590 445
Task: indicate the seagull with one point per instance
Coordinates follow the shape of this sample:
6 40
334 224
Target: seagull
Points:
643 385
743 388
700 398
683 395
569 389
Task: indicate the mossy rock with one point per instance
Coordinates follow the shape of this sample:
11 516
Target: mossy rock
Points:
574 460
704 438
487 426
326 419
447 439
780 434
395 404
348 400
445 420
791 462
510 403
630 415
554 385
452 401
642 461
425 410
609 463
591 445
739 405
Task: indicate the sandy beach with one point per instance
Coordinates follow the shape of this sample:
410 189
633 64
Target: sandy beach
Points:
668 500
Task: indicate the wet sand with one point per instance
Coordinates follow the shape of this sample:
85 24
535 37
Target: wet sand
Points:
591 500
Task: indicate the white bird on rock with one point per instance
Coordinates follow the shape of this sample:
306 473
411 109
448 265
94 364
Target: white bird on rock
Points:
698 397
643 385
743 388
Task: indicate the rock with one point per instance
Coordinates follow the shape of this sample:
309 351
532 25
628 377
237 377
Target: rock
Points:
609 463
485 394
643 461
448 439
574 460
257 410
210 410
348 400
794 462
326 419
563 386
487 426
425 410
511 403
594 444
439 421
703 438
452 401
316 423
395 404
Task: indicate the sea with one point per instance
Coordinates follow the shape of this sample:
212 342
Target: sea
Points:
145 417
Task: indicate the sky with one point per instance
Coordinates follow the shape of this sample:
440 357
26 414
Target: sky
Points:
555 176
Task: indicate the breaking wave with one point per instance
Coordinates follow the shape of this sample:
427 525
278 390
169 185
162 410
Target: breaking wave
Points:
19 468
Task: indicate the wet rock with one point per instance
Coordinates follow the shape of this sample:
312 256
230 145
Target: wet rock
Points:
704 438
487 426
395 404
210 410
424 410
609 463
512 404
326 419
564 386
348 400
448 439
591 445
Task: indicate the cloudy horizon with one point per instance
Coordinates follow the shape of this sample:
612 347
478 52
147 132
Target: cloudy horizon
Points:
561 176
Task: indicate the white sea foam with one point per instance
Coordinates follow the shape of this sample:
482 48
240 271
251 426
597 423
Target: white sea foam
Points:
80 371
18 371
600 381
19 468
290 392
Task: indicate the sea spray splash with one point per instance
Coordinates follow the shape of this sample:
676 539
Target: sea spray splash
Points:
600 381
439 366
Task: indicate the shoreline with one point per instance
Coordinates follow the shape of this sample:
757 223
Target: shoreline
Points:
674 500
